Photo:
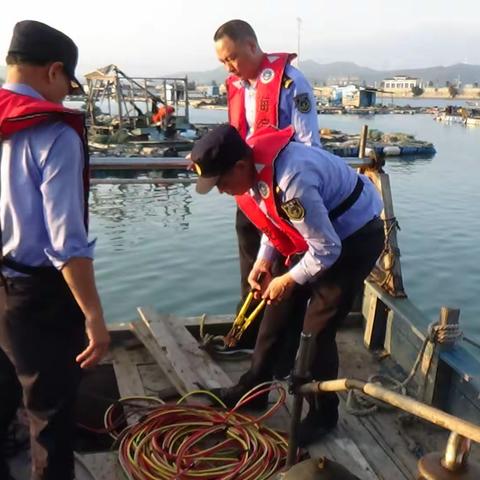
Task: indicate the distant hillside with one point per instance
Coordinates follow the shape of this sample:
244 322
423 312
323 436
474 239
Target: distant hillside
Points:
464 72
318 73
206 77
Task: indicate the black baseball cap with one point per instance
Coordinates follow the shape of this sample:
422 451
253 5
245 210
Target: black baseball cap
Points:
215 153
40 42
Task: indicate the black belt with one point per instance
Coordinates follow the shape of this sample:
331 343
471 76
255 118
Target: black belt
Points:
27 269
348 202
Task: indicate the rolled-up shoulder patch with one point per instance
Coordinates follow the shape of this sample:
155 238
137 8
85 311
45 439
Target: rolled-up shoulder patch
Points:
303 103
294 210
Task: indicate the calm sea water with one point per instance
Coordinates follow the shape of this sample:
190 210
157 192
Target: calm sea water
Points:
173 249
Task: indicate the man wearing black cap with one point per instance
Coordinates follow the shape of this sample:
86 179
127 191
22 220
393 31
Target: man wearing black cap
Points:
322 219
51 325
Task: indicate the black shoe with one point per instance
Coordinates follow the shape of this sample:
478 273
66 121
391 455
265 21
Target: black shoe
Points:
314 427
230 396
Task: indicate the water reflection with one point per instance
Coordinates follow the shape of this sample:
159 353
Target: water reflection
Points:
408 164
142 204
168 247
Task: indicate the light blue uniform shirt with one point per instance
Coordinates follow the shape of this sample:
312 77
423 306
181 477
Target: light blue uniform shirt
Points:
42 197
305 124
320 181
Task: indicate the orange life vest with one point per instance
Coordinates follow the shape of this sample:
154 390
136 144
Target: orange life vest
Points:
267 94
267 145
18 112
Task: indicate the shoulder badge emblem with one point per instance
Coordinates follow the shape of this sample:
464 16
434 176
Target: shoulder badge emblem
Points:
263 189
267 75
287 82
294 210
303 103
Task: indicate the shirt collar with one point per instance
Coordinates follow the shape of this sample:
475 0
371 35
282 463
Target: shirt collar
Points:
248 86
22 89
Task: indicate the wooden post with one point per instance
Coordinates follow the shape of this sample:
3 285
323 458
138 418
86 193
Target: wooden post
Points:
175 90
119 100
390 272
186 100
363 142
435 374
147 106
375 313
109 95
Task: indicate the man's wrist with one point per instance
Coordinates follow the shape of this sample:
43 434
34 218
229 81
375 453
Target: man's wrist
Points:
94 316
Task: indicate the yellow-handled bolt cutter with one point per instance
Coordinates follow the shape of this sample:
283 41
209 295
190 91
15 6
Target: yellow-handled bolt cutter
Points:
242 322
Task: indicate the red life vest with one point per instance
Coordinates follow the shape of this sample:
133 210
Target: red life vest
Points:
18 112
267 94
267 145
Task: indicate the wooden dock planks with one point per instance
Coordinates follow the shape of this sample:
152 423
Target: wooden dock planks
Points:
181 349
180 357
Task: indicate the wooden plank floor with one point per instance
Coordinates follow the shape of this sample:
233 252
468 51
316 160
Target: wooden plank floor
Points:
383 446
354 443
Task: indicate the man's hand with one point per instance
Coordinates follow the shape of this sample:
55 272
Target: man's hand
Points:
78 273
259 277
279 289
98 342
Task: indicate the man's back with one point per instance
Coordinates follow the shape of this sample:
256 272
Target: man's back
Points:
309 174
40 183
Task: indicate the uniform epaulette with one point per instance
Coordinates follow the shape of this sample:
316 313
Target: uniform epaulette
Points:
287 82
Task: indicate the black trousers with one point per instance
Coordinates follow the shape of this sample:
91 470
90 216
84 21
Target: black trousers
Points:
318 307
248 237
42 330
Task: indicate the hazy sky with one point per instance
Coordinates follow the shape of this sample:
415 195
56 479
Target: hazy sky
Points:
165 36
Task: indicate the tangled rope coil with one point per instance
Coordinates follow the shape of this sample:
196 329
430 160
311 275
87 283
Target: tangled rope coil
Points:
196 441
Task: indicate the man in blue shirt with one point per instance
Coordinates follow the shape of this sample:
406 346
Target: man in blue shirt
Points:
251 95
51 324
323 218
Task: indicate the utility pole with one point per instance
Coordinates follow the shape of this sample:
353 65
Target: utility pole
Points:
299 24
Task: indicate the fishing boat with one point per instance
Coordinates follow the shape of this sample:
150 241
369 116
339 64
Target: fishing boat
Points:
409 388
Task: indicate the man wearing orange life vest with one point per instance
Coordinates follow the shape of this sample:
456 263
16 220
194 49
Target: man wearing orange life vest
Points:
161 115
262 89
318 215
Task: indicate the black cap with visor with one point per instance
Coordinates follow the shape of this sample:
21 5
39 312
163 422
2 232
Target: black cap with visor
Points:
216 153
39 42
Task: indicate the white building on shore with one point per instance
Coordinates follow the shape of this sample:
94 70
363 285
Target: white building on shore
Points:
401 84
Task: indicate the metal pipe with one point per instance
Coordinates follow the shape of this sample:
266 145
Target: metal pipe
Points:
456 453
141 181
407 404
300 371
153 164
159 163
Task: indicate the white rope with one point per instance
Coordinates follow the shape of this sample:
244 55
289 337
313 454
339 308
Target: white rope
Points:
360 405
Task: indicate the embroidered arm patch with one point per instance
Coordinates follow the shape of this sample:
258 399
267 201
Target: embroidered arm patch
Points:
303 103
294 210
